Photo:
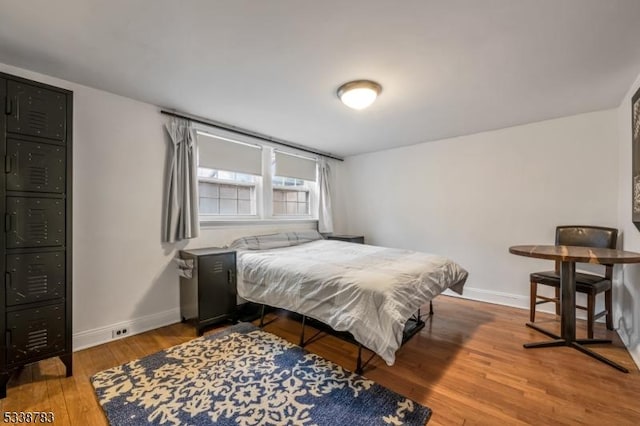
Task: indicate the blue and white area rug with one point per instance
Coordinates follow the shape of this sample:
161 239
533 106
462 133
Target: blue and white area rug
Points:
246 376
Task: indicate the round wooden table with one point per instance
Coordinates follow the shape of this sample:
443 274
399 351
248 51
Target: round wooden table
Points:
568 256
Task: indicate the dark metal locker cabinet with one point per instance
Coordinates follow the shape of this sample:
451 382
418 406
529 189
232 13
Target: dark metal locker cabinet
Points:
34 277
32 333
34 110
209 296
35 222
35 167
36 254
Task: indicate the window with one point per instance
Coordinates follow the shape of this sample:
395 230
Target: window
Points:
226 193
229 174
290 197
239 179
294 177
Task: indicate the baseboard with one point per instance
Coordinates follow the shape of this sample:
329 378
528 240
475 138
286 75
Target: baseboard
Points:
98 336
508 299
491 296
522 302
626 339
635 355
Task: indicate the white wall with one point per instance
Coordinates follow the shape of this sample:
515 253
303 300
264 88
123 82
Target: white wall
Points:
472 197
627 287
122 274
469 198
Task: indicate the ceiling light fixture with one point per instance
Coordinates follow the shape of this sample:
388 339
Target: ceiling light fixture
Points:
359 94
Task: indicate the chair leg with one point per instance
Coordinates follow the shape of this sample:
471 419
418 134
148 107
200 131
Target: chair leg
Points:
557 301
608 304
532 301
591 310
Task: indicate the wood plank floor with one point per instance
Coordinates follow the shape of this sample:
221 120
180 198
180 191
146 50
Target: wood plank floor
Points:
467 364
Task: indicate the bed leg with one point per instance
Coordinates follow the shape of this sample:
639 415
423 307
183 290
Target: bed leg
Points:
304 319
262 316
430 307
359 362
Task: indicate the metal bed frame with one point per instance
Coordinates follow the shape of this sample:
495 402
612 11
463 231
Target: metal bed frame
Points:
414 324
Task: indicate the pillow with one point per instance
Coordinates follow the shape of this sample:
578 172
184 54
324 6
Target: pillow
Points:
271 241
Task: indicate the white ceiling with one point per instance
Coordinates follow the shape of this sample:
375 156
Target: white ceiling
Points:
447 67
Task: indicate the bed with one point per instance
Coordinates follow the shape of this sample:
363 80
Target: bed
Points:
367 291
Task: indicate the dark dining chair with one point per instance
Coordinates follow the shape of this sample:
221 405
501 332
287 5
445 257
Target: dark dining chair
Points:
591 284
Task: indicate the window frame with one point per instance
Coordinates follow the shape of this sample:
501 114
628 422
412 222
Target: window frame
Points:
296 190
263 186
212 217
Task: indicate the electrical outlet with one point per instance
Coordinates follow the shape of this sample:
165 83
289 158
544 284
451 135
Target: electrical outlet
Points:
119 332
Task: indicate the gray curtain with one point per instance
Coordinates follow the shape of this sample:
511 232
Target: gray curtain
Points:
325 218
181 209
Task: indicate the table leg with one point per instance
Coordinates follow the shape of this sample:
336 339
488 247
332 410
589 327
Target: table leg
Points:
545 344
543 331
592 341
568 307
568 321
568 301
599 357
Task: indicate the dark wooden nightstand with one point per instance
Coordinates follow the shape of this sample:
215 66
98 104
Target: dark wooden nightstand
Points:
359 239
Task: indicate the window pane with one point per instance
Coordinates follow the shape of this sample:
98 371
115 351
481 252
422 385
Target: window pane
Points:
291 203
209 205
204 172
288 182
226 175
279 207
227 199
228 207
244 193
241 177
228 191
208 189
292 208
244 207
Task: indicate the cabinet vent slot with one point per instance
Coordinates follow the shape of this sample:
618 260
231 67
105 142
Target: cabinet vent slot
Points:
38 175
37 120
217 267
37 231
37 284
37 340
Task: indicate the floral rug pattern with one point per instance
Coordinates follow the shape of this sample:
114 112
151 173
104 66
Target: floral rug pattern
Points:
246 376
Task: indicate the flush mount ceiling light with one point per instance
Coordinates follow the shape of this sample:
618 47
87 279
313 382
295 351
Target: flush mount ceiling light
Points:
359 94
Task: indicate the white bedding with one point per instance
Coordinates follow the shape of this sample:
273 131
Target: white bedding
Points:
366 290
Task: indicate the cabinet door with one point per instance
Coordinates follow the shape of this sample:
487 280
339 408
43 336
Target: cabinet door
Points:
35 333
216 285
34 277
35 167
36 111
34 222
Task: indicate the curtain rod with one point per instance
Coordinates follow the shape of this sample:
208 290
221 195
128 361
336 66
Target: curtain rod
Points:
249 133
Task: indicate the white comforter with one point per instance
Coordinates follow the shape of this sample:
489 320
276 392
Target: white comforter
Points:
366 290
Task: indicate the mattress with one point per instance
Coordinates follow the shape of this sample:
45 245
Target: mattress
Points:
366 290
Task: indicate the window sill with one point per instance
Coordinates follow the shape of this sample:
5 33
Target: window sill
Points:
256 222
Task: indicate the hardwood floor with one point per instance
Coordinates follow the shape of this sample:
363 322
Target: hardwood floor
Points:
467 364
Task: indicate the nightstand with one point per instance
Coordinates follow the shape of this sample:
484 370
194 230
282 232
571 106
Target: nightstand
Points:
359 239
209 296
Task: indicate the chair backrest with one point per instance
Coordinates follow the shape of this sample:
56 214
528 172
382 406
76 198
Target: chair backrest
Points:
588 236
